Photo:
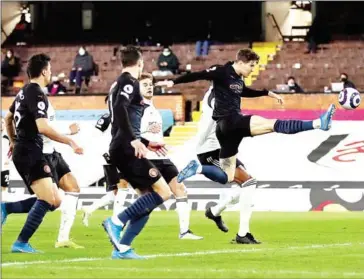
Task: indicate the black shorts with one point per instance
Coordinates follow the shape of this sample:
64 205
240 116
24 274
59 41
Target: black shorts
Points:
31 164
140 173
58 165
167 169
212 158
5 178
112 177
230 131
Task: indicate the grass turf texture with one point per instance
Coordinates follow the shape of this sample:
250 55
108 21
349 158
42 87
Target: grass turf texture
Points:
295 245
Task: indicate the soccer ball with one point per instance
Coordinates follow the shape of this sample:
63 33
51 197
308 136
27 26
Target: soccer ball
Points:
349 98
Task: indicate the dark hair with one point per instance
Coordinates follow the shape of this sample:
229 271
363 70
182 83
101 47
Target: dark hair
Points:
130 55
344 74
291 77
247 55
11 50
36 64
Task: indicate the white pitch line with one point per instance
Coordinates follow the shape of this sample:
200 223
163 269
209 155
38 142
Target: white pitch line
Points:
213 270
189 254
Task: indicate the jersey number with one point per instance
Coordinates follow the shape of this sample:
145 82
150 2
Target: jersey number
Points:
17 116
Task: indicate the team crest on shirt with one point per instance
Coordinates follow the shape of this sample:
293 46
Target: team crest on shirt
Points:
47 169
128 89
41 105
153 172
236 87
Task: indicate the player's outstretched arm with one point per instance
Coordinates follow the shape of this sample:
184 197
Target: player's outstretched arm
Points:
47 130
212 73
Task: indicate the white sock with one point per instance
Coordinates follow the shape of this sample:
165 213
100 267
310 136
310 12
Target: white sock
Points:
246 204
231 196
120 200
316 123
104 201
115 219
68 213
183 211
123 248
199 168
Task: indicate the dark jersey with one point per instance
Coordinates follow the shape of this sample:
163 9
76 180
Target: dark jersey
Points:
30 104
103 122
126 108
228 88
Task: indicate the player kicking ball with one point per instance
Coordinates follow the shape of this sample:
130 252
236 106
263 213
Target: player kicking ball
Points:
231 125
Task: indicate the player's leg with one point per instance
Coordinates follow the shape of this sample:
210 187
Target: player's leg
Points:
68 183
245 199
142 174
205 165
260 125
48 199
111 179
169 172
122 192
159 193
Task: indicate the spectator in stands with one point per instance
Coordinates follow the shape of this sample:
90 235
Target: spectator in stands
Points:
203 45
82 69
345 79
293 85
318 34
167 63
10 68
21 33
56 87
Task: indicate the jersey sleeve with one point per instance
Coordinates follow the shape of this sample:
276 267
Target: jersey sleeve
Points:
38 104
104 122
213 73
123 92
252 93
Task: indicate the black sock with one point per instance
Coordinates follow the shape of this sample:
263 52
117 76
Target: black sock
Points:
35 218
143 206
214 173
292 126
133 229
23 206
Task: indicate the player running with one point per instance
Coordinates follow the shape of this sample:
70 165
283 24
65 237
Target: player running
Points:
232 125
151 129
65 180
29 114
128 153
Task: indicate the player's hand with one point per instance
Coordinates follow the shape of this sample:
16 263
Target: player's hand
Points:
11 148
159 148
74 128
76 148
140 149
276 96
166 83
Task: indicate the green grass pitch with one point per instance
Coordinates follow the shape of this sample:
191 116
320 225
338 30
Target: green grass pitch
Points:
295 245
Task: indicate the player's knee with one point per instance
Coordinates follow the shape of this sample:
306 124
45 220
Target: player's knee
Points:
230 176
241 175
162 189
68 183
